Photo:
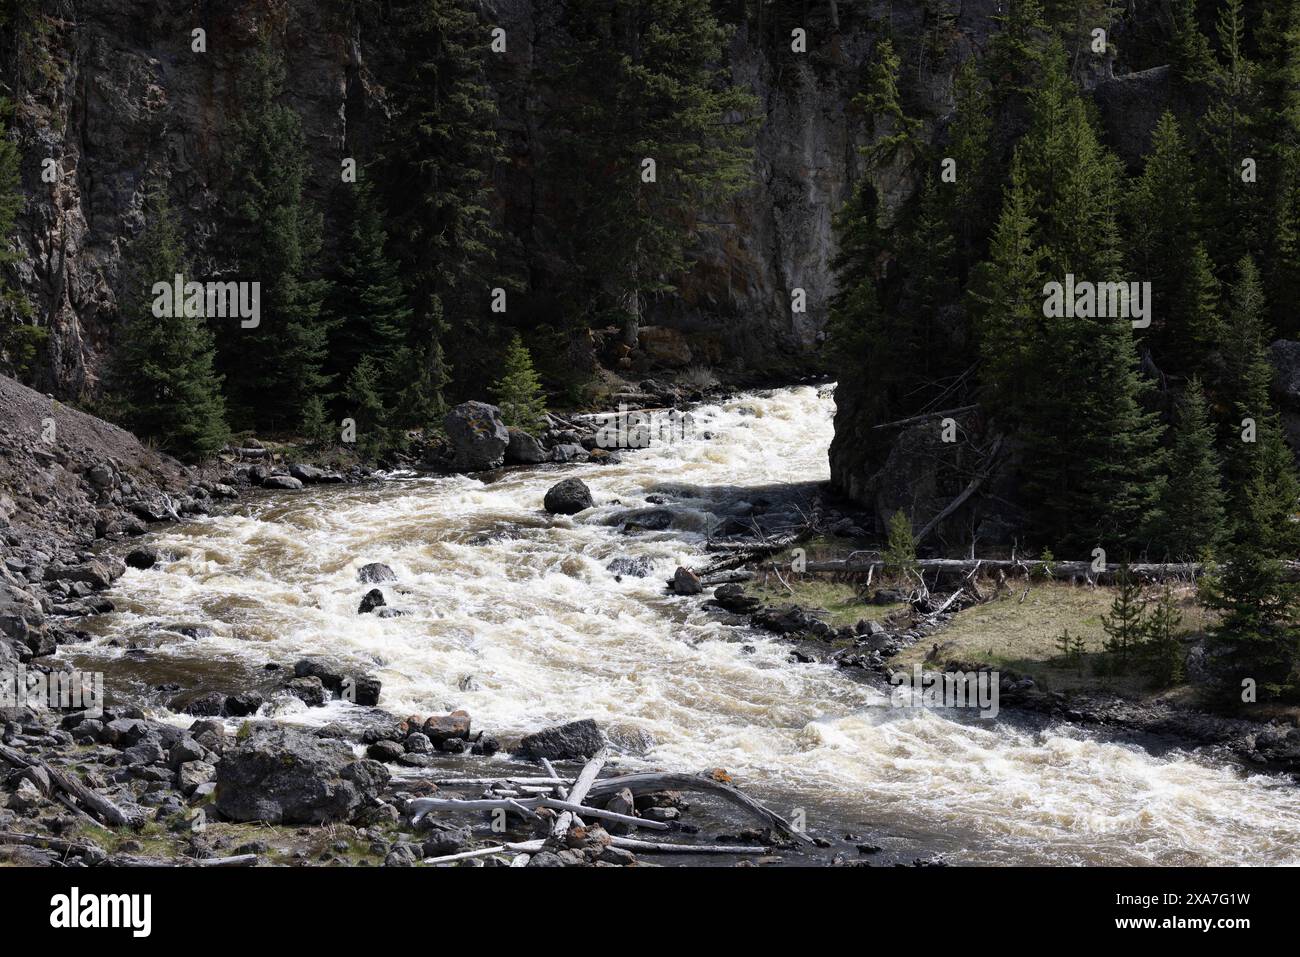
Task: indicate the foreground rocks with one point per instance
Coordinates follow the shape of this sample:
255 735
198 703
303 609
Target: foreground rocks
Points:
283 776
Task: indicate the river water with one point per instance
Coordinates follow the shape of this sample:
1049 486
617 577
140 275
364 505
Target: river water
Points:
513 615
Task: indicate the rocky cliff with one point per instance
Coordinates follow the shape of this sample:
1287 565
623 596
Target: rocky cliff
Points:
112 93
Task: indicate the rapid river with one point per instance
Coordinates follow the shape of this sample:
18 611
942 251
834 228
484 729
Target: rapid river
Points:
514 616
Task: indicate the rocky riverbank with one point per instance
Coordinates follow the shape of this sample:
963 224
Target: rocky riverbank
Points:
872 645
111 784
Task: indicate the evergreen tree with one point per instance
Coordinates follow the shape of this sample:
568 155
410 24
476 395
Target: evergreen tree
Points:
1162 227
643 80
894 132
900 549
1007 292
1192 60
1191 513
1160 651
441 147
975 202
1125 625
368 308
1016 50
1092 456
1245 381
519 391
1196 340
274 369
162 380
366 407
1258 632
1229 129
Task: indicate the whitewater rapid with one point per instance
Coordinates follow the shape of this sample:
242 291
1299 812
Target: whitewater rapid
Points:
513 615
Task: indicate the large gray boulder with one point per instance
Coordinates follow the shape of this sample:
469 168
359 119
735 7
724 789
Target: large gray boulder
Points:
577 739
568 497
283 776
22 624
524 449
478 437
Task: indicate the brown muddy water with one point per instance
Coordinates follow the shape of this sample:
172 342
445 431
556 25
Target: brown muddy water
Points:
514 616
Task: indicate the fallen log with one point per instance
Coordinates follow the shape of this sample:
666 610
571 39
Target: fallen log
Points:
602 815
49 843
106 809
647 782
522 847
1055 569
238 860
632 844
492 782
524 808
578 794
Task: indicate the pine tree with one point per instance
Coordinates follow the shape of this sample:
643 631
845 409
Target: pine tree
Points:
1007 292
441 147
1162 224
1092 456
364 403
20 341
1258 632
894 132
1016 51
1229 129
519 390
1125 625
368 307
643 80
1191 516
900 548
1196 339
975 201
1245 381
1192 60
162 380
1161 652
274 369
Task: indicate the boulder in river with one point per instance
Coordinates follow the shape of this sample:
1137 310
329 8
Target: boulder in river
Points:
686 582
478 436
375 572
283 776
523 449
568 497
577 739
142 558
283 482
370 601
442 727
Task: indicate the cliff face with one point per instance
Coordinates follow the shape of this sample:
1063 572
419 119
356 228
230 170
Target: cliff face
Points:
112 93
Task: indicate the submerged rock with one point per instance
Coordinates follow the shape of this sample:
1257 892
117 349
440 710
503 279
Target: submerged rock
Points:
373 599
686 582
375 572
142 558
568 497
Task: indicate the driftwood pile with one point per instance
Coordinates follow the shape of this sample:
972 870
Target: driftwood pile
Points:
523 796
